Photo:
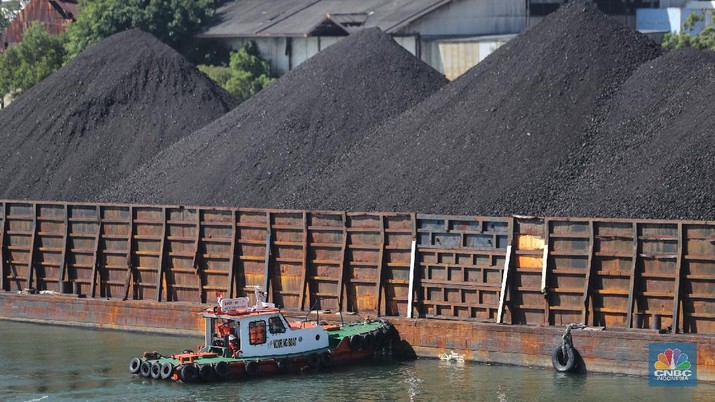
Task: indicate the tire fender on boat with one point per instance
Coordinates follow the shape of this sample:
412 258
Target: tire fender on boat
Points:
356 342
221 369
252 368
135 365
326 359
145 369
368 341
564 363
189 373
282 365
167 369
313 360
155 370
206 372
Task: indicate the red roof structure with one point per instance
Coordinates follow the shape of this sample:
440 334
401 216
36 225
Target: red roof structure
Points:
55 14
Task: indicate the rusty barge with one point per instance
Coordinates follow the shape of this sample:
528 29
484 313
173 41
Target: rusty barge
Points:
496 289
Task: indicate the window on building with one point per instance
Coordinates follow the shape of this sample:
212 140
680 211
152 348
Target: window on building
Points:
257 332
275 325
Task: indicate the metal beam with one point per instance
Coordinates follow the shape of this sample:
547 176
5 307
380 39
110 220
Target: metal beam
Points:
30 265
343 263
587 281
411 283
267 259
544 271
380 307
304 282
65 247
95 255
678 276
2 245
232 259
197 256
130 241
504 279
162 246
632 284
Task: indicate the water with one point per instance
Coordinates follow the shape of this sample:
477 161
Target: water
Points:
47 363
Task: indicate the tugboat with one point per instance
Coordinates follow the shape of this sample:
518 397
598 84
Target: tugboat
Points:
242 342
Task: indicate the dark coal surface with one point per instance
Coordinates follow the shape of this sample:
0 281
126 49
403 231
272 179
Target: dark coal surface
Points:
655 154
273 144
101 116
505 138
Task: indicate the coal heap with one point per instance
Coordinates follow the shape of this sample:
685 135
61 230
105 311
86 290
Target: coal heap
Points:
653 158
502 139
99 117
272 144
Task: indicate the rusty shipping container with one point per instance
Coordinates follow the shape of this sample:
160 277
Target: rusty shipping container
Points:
497 289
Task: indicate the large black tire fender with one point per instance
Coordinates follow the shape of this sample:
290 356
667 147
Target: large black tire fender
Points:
313 360
206 372
145 369
221 369
326 359
135 365
356 342
156 370
368 341
282 365
252 368
189 373
167 369
564 363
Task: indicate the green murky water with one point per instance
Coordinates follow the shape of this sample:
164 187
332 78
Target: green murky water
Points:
46 363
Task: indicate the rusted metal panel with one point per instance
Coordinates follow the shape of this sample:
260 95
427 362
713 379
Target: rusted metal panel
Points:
146 247
181 257
699 279
326 235
569 252
19 233
287 260
217 262
49 246
399 231
114 246
363 254
611 272
461 265
527 303
252 235
3 272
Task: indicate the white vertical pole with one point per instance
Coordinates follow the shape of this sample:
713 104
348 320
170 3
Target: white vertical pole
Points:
544 263
502 296
412 279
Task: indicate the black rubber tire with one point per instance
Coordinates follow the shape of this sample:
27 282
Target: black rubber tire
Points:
252 368
145 369
206 372
135 365
564 364
326 359
368 341
187 351
189 373
313 360
282 365
155 370
167 370
221 369
356 342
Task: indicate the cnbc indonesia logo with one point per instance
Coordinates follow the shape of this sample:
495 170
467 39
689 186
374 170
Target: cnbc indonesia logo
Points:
672 365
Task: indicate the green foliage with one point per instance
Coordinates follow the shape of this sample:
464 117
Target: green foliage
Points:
8 11
249 72
172 21
27 63
219 74
703 40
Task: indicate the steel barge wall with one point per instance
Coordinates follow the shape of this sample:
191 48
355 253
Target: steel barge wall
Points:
488 278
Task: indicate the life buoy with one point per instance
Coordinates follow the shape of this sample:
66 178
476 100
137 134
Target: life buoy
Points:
564 363
313 360
206 372
282 365
189 373
326 359
135 365
356 342
156 370
252 368
221 369
145 369
167 369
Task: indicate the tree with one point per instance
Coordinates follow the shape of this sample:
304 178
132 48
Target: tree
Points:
705 39
249 72
172 21
27 63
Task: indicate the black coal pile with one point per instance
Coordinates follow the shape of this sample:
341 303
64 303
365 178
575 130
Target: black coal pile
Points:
504 138
272 144
654 156
101 116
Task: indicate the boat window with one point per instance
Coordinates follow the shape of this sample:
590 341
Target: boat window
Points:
275 324
257 332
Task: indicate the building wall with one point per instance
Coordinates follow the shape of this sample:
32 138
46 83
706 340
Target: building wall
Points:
472 18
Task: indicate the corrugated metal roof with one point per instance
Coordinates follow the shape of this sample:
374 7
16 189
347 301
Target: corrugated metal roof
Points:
300 18
56 15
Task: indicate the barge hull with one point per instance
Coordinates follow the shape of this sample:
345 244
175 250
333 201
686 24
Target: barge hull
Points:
606 351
